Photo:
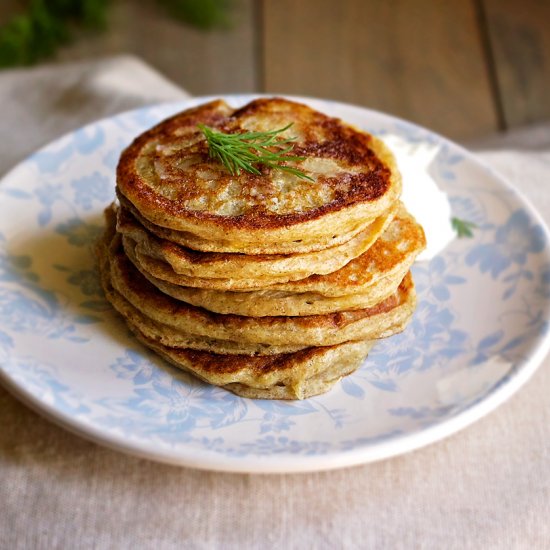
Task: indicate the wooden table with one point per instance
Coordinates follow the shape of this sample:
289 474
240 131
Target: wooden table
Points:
463 67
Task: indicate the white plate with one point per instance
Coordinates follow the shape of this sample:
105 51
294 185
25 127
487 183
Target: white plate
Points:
479 332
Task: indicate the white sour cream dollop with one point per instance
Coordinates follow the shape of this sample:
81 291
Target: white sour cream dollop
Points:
421 195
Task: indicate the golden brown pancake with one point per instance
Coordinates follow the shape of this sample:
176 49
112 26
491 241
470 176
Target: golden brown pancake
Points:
389 258
362 283
296 375
386 318
168 178
230 271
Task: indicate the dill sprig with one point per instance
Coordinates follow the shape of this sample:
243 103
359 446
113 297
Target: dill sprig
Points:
463 228
246 150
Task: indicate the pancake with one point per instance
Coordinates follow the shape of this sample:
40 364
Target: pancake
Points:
169 336
193 242
272 303
230 271
296 375
168 180
362 283
390 257
383 320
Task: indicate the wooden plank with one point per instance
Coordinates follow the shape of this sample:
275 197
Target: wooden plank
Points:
9 9
203 62
519 34
418 59
212 62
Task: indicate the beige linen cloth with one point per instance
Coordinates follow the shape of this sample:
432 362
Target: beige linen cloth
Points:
485 487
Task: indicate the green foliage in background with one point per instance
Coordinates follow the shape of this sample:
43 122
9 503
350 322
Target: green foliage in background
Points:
45 25
204 14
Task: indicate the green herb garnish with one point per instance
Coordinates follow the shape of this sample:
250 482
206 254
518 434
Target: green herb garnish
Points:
246 150
463 228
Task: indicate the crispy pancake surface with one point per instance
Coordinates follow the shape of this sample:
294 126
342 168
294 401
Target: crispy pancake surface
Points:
389 258
121 278
231 271
296 375
167 175
362 283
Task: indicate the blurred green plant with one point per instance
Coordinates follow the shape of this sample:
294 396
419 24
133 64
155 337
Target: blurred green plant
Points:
204 14
45 25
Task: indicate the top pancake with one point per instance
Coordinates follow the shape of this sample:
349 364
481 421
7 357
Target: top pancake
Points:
167 176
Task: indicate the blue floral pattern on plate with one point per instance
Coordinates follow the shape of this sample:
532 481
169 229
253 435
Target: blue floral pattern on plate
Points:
479 331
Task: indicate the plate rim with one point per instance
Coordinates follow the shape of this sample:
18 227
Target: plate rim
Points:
295 463
277 464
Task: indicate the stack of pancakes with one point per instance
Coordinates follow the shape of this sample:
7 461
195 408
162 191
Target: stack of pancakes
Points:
270 285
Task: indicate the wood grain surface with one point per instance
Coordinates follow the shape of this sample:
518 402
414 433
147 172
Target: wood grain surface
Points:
203 62
418 59
465 68
519 34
